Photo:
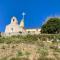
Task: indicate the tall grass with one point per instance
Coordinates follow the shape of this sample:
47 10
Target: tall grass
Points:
45 44
29 38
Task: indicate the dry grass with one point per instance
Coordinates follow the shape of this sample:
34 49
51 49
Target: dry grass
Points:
36 47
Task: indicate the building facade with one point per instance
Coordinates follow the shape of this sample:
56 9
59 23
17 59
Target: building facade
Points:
14 27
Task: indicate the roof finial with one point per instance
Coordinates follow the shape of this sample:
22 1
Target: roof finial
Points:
23 14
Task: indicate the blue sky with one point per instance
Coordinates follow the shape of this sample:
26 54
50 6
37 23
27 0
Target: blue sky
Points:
36 11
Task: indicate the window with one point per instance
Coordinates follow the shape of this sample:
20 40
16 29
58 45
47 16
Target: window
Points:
13 20
12 29
20 32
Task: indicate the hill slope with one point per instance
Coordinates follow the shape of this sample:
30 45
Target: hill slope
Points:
30 47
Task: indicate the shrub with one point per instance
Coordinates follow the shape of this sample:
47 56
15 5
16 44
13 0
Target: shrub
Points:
19 53
27 53
19 59
45 58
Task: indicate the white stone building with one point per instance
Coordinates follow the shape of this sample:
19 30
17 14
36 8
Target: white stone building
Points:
14 27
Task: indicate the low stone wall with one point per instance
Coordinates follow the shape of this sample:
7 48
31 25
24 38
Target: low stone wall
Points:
22 33
11 34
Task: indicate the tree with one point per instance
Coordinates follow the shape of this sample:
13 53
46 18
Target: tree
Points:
52 26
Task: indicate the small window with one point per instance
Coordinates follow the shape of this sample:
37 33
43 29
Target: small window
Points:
20 32
13 20
12 29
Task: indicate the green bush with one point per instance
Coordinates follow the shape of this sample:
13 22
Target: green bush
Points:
29 38
19 59
45 58
19 53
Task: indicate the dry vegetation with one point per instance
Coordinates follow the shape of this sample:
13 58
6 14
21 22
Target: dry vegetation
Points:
30 47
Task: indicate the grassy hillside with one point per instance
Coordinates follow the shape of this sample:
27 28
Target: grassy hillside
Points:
30 47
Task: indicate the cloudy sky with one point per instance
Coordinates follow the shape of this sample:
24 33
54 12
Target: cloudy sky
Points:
36 11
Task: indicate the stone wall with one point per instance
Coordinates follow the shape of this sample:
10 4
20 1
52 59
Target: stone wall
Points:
19 33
